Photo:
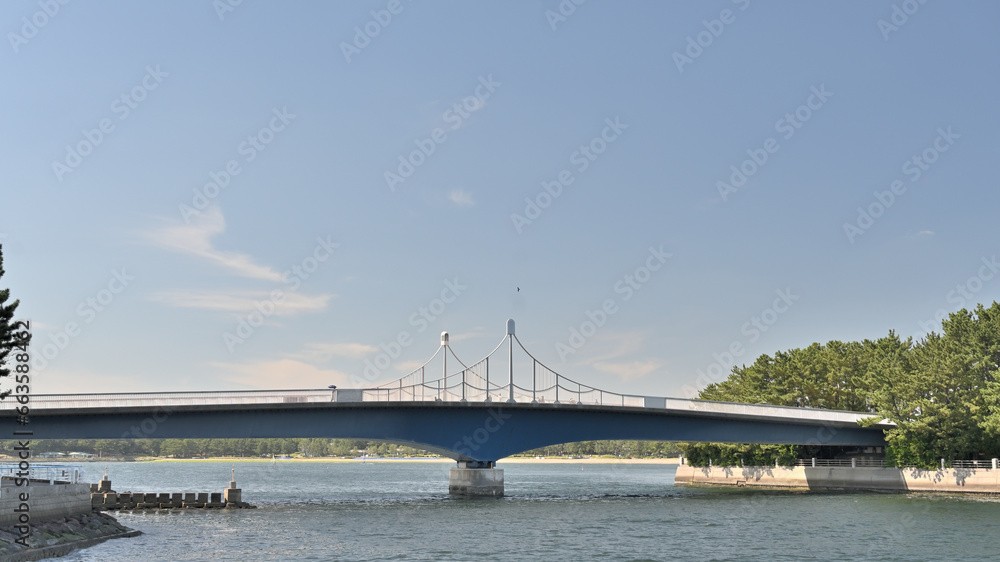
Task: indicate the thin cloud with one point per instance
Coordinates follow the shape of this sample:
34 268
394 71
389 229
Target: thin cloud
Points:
282 373
239 302
58 380
406 367
631 370
320 352
196 239
606 346
470 335
461 198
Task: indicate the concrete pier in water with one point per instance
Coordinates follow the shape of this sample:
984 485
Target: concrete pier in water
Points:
470 480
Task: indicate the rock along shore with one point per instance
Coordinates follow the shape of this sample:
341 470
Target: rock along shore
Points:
51 539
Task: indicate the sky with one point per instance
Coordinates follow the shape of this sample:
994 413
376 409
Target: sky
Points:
203 195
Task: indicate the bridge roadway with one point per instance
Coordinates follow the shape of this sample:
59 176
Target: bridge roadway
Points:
474 431
466 415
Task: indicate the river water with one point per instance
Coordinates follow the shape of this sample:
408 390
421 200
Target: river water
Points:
551 512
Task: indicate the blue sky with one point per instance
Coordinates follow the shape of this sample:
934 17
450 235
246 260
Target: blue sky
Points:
652 175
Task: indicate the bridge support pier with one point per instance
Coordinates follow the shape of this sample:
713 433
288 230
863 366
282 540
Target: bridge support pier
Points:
475 479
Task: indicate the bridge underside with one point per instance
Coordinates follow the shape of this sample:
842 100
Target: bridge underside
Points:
465 432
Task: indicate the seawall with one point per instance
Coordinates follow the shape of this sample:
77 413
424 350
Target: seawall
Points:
960 480
45 520
45 501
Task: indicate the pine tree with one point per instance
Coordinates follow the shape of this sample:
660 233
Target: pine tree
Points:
11 338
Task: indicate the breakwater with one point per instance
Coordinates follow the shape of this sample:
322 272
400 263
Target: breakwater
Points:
982 480
104 498
58 537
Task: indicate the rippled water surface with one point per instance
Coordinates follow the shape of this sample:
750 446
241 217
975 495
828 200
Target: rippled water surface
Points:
566 511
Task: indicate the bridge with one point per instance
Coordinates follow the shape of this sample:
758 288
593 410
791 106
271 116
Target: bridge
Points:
475 414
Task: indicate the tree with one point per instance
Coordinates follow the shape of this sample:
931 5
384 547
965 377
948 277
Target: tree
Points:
12 338
172 448
818 376
943 392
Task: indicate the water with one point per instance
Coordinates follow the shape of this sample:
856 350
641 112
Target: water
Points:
552 512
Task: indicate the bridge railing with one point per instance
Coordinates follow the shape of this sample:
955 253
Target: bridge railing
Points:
166 399
458 388
470 383
436 391
474 384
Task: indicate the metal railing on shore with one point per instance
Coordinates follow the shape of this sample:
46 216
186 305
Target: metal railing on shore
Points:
861 462
855 463
976 464
53 473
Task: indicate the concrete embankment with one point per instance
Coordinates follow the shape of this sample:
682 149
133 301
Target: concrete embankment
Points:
954 480
43 501
46 520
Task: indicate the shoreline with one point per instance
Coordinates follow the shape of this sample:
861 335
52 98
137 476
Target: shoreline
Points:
59 537
859 479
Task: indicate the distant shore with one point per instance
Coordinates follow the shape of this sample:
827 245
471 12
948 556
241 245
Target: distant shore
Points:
508 460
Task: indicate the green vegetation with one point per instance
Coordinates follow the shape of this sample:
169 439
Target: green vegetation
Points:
204 448
264 448
624 449
12 338
943 392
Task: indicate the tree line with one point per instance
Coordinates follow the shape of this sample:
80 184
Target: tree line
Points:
309 447
204 448
943 392
623 449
